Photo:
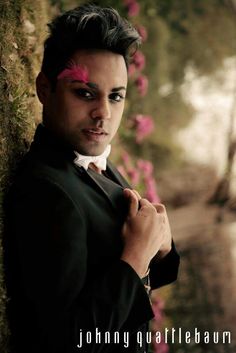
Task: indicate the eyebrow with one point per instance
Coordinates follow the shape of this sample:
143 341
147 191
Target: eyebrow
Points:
118 89
96 86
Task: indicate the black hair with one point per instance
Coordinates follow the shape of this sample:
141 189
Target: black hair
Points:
87 27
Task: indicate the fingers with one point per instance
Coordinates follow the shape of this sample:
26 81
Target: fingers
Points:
133 202
138 197
146 205
137 194
160 208
136 203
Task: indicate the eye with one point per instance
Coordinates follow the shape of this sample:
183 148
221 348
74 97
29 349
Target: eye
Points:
84 93
116 97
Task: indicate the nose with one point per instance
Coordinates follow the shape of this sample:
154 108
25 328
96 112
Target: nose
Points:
101 110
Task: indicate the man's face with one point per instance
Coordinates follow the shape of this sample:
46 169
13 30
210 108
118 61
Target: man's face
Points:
88 114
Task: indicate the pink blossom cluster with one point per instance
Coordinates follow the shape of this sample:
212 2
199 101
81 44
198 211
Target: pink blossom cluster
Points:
151 191
144 125
137 64
157 307
142 31
146 167
161 347
132 6
141 171
142 85
128 170
135 68
138 60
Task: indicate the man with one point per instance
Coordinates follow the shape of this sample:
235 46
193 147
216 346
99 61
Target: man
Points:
80 243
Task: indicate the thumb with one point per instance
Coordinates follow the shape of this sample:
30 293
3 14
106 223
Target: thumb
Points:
133 202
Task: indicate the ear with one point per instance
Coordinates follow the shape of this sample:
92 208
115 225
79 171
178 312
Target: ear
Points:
43 87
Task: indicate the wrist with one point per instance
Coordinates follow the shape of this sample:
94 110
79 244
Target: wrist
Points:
138 265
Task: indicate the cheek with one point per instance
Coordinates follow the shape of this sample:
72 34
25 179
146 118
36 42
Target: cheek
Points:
117 120
67 107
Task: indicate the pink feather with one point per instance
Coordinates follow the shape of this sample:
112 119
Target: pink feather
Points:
74 72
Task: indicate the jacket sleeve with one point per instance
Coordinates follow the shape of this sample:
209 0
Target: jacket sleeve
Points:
164 271
50 234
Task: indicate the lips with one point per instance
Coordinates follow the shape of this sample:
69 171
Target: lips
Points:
95 134
98 131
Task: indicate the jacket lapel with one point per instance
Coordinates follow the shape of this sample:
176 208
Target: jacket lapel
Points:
116 176
111 172
90 179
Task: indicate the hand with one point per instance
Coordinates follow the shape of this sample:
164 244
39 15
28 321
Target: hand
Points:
167 244
143 232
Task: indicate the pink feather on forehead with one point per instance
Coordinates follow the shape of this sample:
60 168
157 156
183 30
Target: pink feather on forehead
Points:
74 72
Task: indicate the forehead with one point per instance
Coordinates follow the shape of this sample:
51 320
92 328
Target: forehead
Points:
102 65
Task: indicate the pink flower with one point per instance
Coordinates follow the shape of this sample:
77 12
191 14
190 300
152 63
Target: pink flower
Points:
158 304
134 175
132 6
144 126
151 192
145 166
142 85
142 32
139 60
125 157
161 347
133 9
122 171
131 69
157 307
158 314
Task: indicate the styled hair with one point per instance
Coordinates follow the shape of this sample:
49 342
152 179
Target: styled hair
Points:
87 27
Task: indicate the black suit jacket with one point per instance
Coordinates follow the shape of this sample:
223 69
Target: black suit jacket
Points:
63 269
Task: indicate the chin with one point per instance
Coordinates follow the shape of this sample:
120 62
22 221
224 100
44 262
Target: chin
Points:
91 151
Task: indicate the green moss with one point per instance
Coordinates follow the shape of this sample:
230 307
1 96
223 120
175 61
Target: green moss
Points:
22 30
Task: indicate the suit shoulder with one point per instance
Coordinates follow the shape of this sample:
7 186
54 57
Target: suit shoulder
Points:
36 175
